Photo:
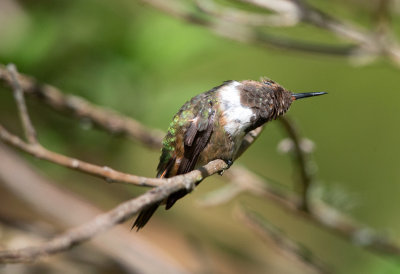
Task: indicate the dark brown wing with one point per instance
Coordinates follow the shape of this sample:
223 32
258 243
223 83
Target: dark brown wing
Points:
196 139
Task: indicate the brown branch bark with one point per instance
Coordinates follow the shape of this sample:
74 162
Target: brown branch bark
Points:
301 159
119 214
238 16
381 15
318 213
35 149
244 33
29 130
107 173
239 26
130 250
249 139
107 119
284 245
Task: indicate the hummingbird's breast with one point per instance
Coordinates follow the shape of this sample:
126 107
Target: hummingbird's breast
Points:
235 117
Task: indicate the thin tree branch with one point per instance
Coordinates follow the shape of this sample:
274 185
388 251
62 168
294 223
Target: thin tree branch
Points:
366 40
119 214
129 249
221 195
247 34
311 15
107 119
241 180
381 15
35 149
301 159
248 140
273 236
29 130
107 173
319 213
239 26
245 18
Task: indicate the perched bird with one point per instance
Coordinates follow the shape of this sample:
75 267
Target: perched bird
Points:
213 124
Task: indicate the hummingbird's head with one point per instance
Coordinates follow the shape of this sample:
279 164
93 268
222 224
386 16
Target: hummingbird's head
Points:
280 98
267 99
279 90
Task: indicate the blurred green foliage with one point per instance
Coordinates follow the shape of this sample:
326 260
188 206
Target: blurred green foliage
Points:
145 64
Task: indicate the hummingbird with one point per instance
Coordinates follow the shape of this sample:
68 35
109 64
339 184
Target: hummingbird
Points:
213 125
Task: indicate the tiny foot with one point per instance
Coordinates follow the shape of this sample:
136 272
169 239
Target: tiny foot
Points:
229 163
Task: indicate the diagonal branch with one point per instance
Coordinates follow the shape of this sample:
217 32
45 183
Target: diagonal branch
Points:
249 139
311 15
29 130
301 158
129 249
245 18
244 27
35 149
247 34
105 172
319 213
119 214
273 236
107 119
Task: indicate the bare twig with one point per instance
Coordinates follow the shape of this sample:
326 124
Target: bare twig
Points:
320 214
34 148
104 118
242 26
246 18
382 13
115 216
316 17
241 180
221 195
29 130
104 172
381 19
301 159
249 139
244 33
273 236
129 249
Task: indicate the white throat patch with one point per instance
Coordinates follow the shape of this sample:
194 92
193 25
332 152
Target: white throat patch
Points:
236 115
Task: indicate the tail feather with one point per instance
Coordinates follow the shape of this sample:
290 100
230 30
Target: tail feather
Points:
175 197
144 216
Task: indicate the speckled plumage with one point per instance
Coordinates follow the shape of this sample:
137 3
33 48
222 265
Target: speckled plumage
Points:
212 126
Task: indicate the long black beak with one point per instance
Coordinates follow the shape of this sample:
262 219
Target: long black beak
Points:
297 96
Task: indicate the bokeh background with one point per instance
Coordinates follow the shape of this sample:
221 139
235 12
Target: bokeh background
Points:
145 64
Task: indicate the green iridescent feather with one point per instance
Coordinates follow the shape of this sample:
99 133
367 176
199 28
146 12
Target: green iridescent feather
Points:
197 107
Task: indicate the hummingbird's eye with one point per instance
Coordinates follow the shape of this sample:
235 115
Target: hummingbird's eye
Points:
268 82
